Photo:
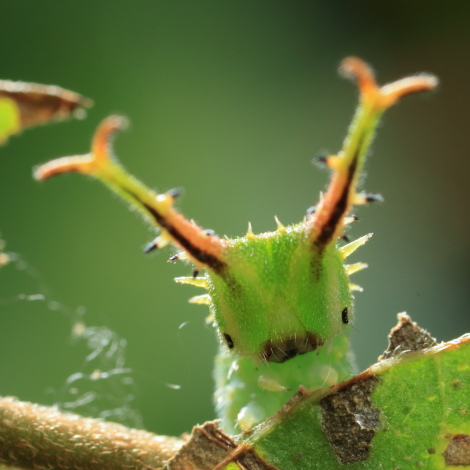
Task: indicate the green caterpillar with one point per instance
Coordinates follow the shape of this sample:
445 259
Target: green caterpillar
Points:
276 295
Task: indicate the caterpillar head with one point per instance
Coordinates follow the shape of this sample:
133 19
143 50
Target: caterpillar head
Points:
279 295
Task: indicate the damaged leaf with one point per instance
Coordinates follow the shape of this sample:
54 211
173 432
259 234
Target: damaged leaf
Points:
407 336
25 105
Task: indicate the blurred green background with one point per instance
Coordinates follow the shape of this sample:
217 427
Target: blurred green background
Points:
229 100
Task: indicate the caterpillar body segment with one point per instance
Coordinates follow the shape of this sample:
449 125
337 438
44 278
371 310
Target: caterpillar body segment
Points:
275 295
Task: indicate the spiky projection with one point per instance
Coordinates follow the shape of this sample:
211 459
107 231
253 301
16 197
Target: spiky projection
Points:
279 294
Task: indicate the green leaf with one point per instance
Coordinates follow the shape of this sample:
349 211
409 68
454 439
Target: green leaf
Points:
408 411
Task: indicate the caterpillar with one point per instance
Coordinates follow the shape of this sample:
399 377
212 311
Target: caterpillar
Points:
272 296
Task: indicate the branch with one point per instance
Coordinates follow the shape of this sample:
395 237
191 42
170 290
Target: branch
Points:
38 437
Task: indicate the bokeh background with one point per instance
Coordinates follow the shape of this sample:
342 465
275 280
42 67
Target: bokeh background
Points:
229 100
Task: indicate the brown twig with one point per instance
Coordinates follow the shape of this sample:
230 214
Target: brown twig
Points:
39 437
